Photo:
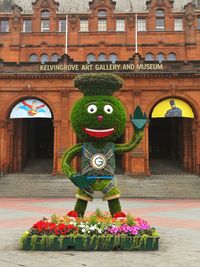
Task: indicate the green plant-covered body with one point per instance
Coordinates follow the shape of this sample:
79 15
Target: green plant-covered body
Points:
98 120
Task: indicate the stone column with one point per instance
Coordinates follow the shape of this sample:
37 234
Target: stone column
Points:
3 136
57 131
196 146
146 145
190 33
16 31
65 118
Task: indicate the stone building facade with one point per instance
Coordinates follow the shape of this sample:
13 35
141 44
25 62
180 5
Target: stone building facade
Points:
153 45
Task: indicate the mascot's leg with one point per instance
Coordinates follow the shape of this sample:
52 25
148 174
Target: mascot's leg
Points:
81 203
80 207
114 206
112 197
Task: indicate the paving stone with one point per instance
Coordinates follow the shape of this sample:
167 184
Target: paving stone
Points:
179 243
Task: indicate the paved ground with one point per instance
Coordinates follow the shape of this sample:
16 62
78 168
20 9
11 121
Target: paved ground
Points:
178 222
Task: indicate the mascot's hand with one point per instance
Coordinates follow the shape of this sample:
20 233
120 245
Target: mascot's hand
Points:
81 181
138 119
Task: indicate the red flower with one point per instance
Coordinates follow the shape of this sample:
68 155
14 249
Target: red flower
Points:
61 226
72 214
52 226
119 215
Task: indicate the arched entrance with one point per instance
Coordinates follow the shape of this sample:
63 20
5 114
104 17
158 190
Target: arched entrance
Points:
32 138
171 139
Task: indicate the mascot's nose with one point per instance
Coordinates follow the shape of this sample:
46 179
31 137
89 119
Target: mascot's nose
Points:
99 118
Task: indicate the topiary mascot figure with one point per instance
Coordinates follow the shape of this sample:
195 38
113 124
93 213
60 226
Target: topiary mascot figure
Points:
98 120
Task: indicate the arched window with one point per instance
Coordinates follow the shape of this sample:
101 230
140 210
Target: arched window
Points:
160 57
55 57
45 14
91 58
113 58
160 13
44 58
33 58
102 57
171 56
160 20
149 57
102 20
102 13
30 108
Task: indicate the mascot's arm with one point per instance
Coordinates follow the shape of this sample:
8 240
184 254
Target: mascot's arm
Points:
122 148
139 121
68 157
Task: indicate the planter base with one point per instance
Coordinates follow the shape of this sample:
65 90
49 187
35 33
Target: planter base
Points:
54 243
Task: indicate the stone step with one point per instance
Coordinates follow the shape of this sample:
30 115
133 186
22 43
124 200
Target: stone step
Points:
155 186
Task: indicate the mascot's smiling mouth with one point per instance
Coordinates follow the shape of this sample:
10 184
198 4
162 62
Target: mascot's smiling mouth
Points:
99 133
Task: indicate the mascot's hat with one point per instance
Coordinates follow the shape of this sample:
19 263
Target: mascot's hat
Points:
98 83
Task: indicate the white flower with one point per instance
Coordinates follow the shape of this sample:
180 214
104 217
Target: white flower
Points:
83 230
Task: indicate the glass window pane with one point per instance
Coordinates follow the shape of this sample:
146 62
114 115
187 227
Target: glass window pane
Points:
102 13
160 24
4 25
102 57
171 56
149 57
102 25
45 25
62 25
45 14
113 58
27 25
33 58
55 57
91 58
178 24
44 58
120 25
160 57
84 25
141 25
160 13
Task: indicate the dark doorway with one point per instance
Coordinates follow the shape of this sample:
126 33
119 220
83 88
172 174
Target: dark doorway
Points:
166 145
39 139
38 155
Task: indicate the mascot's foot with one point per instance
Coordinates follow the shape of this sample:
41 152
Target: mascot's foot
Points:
114 206
80 207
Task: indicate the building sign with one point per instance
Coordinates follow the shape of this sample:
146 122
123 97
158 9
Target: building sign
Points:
172 108
100 67
30 108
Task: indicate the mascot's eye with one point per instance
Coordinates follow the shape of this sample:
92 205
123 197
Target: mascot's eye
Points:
92 109
108 109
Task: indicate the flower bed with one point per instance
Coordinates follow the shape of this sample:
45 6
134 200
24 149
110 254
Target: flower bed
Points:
96 232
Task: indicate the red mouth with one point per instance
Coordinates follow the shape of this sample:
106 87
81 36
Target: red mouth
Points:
99 133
